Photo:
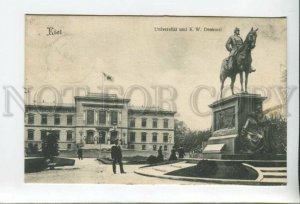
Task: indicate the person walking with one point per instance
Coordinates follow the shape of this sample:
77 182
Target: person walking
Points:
173 154
79 153
181 152
116 155
160 156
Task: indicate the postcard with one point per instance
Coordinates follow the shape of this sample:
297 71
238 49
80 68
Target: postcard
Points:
155 100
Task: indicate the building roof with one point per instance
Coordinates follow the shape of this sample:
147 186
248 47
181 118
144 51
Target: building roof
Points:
102 97
153 109
50 107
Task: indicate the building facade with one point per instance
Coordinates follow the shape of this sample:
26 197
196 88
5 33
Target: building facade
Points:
97 119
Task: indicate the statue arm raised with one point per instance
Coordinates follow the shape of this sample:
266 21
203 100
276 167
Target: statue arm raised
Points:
228 44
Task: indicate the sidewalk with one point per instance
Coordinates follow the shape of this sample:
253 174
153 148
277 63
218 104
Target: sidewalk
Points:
91 171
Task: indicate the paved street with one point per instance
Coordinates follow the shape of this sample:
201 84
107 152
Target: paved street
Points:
92 171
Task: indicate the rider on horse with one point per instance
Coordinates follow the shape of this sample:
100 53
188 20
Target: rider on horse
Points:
233 44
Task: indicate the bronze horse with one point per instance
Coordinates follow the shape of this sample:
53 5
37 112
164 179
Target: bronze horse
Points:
241 63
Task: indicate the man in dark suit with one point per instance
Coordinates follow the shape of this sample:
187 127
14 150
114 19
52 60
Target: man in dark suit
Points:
116 155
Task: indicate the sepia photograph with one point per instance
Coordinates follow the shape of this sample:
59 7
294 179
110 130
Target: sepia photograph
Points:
149 101
185 100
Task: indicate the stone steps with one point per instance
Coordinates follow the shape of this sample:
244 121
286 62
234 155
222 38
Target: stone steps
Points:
275 180
97 146
274 174
271 169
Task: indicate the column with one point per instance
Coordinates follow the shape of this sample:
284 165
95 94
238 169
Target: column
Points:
107 118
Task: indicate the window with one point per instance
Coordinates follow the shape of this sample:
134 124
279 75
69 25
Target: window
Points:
144 122
69 135
165 139
90 117
132 122
44 119
165 148
69 119
154 123
43 134
102 117
154 147
154 137
114 117
132 136
30 135
143 147
131 146
166 123
30 119
56 119
69 146
144 136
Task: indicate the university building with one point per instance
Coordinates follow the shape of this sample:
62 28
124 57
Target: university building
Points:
100 119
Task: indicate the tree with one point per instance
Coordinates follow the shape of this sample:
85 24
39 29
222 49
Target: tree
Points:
50 145
189 139
180 132
277 134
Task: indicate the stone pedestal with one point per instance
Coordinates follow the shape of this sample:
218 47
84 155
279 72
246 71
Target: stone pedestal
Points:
229 116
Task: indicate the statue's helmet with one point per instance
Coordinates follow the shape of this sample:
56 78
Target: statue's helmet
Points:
236 29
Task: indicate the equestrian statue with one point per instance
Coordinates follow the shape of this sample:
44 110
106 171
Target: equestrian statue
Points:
239 59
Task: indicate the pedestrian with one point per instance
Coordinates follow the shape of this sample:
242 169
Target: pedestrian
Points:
173 154
79 153
181 152
160 156
116 156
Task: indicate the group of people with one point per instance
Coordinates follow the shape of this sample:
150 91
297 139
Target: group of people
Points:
116 155
174 151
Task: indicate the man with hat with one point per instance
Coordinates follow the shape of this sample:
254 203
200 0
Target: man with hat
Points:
233 44
116 155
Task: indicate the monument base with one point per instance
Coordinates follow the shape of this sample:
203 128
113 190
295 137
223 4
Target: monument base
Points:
229 117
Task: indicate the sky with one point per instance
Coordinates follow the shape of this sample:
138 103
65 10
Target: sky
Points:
183 65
